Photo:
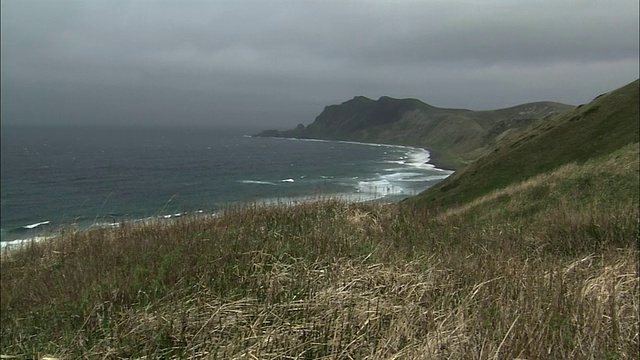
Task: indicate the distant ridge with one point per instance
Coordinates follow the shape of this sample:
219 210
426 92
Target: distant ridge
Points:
529 252
608 123
454 136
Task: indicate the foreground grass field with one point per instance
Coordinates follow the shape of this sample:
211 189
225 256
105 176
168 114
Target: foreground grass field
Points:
546 268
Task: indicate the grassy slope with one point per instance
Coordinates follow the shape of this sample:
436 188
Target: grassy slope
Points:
606 124
454 136
544 267
517 273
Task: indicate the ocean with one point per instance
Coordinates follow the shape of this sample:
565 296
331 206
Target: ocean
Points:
99 176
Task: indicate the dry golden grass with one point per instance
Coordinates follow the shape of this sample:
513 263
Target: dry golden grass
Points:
335 280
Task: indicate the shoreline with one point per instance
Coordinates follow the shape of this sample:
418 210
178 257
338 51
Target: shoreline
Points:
17 244
439 165
11 246
365 190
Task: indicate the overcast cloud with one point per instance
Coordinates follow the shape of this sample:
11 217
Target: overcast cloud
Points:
278 63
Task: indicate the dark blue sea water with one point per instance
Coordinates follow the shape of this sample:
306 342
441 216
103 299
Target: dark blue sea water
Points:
87 176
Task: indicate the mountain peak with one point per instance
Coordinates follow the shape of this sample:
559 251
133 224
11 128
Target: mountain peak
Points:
358 100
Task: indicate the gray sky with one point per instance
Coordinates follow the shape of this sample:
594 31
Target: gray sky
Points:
278 63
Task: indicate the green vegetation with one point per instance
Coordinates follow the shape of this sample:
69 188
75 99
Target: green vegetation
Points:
454 136
540 265
541 268
606 124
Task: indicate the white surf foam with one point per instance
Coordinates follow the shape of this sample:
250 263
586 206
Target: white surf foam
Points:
33 226
381 187
419 158
426 178
287 180
415 157
401 176
169 216
349 197
18 243
347 142
257 182
399 162
105 225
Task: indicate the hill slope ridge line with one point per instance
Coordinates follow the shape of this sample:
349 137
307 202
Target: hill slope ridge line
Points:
608 123
453 136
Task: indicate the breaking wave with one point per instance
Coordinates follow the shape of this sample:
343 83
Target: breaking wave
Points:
257 182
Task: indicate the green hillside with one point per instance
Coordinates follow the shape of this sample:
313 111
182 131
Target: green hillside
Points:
454 136
608 123
542 268
530 252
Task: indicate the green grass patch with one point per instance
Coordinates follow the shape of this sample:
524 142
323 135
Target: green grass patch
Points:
339 280
528 253
595 130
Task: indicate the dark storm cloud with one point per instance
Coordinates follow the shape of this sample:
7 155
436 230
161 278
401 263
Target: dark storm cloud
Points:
280 62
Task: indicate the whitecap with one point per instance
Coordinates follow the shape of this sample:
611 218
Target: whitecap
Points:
345 142
399 162
257 182
106 225
426 178
380 187
18 243
295 200
33 226
287 180
401 175
419 158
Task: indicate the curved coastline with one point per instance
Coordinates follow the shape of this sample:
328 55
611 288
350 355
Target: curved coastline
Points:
437 164
367 189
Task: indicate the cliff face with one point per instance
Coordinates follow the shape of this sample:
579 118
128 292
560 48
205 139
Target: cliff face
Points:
454 136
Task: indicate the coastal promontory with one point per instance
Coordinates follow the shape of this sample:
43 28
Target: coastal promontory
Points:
453 136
